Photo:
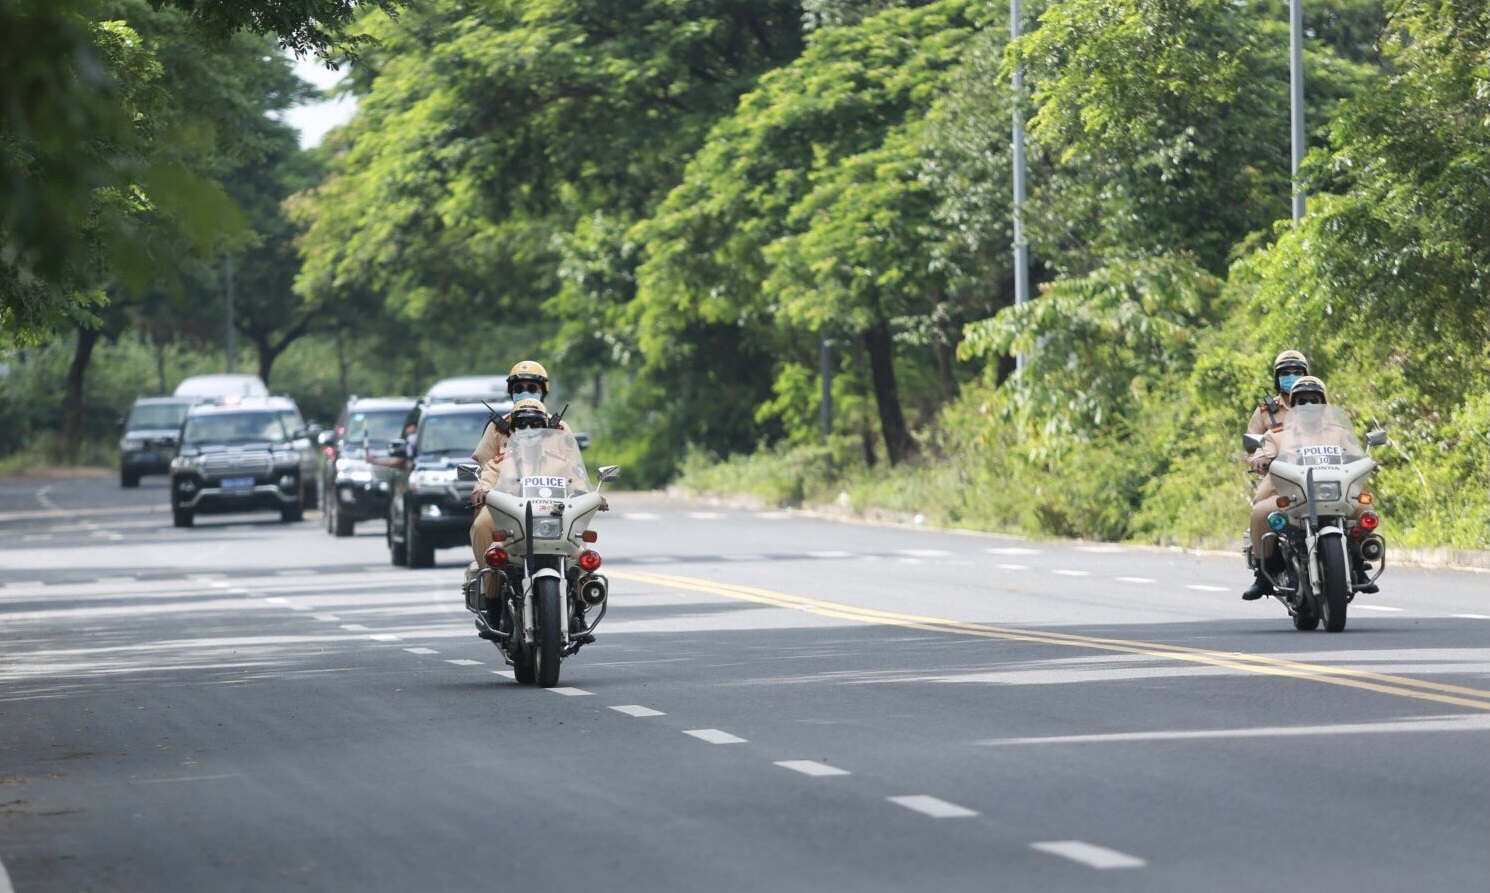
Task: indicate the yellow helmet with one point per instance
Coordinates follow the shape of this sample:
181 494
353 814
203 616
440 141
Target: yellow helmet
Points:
529 413
525 374
1308 385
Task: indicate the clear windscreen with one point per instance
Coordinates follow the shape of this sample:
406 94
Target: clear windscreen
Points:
1318 434
157 415
452 432
239 427
375 429
542 463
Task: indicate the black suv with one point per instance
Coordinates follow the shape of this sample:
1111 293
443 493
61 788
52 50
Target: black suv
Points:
352 487
241 456
149 438
429 508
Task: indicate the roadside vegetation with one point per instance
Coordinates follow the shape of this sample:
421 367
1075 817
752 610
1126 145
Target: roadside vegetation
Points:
689 211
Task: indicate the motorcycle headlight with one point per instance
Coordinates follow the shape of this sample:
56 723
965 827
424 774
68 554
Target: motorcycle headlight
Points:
1327 491
548 528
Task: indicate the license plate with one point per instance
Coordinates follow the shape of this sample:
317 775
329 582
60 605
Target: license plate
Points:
238 483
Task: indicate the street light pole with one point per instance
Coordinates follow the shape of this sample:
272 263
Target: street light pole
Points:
1296 98
232 335
1021 247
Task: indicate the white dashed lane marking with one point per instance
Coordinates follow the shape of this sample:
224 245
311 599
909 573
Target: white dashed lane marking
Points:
1089 854
1013 567
572 692
811 767
714 736
384 637
1200 587
1473 616
421 651
830 555
1375 608
935 807
1134 579
1064 573
637 710
355 627
329 618
1013 550
463 662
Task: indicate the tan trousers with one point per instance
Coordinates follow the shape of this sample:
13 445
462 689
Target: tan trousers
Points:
483 531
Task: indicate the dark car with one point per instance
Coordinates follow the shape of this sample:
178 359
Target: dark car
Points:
149 438
241 456
357 469
428 507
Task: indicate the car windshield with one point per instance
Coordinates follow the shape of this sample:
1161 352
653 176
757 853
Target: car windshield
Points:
374 428
157 415
1318 434
238 427
457 432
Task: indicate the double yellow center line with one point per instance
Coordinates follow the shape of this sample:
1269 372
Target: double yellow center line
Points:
1401 686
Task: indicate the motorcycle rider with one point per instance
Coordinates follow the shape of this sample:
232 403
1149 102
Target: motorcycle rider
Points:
1288 367
1307 390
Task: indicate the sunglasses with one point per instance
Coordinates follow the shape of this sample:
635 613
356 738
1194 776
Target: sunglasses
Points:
527 387
1309 400
1293 370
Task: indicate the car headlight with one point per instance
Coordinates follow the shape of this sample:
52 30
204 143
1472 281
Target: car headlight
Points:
354 470
186 463
431 478
131 443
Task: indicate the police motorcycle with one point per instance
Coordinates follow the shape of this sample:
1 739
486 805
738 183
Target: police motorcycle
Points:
538 598
1324 529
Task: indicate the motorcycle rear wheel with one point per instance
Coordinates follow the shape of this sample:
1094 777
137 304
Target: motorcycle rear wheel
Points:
550 631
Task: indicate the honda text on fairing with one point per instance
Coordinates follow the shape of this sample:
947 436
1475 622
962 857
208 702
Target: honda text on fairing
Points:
538 597
1324 525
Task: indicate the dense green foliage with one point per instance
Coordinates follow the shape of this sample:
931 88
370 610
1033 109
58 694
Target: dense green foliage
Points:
687 209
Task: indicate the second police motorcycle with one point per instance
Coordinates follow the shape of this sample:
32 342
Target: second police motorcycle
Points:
538 597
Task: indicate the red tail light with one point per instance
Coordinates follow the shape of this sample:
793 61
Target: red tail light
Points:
1369 520
589 560
496 556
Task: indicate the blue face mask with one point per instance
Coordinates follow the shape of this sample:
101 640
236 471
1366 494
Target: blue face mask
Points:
1288 381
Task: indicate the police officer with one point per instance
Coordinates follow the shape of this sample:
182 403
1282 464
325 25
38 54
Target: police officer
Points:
1288 367
528 379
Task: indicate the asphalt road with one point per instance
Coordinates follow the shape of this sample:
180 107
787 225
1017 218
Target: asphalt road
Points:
775 702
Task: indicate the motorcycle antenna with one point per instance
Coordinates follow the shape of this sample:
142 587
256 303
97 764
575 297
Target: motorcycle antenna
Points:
560 417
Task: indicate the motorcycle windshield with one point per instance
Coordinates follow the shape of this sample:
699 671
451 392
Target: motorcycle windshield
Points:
1318 434
542 463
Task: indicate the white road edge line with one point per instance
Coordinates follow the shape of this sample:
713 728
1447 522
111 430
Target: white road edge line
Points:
636 710
1089 854
714 736
1473 616
935 807
811 767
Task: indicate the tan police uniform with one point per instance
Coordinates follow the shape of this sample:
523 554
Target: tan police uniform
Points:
492 447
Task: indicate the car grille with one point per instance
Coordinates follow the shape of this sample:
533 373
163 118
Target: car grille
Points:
237 463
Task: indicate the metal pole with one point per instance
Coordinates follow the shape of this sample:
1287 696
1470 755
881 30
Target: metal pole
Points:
1296 98
1021 246
232 333
825 365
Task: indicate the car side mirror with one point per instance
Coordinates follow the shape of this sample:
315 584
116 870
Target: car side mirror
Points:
583 440
1251 442
1377 437
398 449
610 473
468 471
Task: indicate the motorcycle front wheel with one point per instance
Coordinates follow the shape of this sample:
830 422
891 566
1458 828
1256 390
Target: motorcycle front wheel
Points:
1335 584
550 630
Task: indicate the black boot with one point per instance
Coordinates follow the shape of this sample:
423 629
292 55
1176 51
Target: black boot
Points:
1362 574
1260 587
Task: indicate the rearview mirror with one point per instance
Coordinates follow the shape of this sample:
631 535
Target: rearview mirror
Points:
1251 442
1377 437
610 473
468 471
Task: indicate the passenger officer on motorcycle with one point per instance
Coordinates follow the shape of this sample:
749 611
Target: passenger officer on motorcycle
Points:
1306 390
527 413
1288 367
528 379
